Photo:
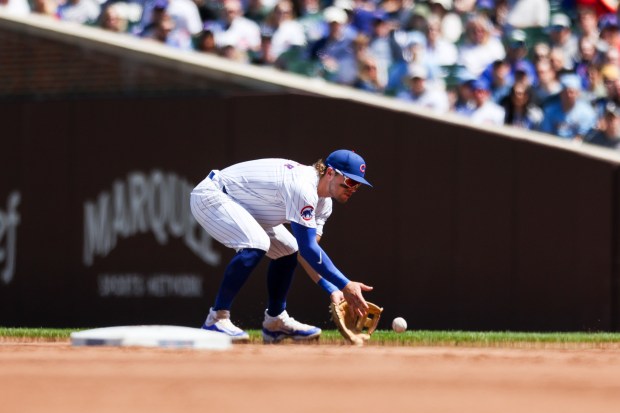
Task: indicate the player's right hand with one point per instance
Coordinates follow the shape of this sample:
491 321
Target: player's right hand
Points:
353 295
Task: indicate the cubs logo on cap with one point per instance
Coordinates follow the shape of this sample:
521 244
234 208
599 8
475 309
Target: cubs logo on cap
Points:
349 163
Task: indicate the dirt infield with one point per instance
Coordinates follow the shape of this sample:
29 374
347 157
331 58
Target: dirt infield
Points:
56 377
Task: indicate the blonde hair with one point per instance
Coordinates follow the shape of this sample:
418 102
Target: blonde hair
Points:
320 167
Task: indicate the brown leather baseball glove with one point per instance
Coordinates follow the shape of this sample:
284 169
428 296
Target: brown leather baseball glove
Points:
354 328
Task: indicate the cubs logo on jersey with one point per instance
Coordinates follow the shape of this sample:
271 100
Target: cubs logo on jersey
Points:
307 213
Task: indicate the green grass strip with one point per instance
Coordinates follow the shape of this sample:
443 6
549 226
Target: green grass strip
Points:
36 334
494 338
390 338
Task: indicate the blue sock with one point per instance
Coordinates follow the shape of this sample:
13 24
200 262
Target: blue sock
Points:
279 278
236 274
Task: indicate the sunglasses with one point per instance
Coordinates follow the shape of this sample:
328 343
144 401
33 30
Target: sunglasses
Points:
348 182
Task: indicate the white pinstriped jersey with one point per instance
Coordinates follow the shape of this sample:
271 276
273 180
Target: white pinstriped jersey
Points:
275 191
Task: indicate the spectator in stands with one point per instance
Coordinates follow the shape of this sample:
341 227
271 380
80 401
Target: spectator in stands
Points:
367 77
256 10
611 80
414 52
264 57
516 60
516 54
451 23
540 51
588 70
349 7
382 46
439 51
587 57
334 52
286 30
480 48
587 24
234 29
79 11
295 60
422 94
529 13
461 95
417 20
522 77
569 117
594 88
361 17
561 37
610 31
185 14
484 111
311 18
608 132
492 9
500 80
45 7
609 56
15 7
205 42
112 20
163 29
398 12
557 59
521 112
361 53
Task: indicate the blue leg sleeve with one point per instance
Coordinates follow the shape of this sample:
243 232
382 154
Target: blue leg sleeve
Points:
279 278
236 274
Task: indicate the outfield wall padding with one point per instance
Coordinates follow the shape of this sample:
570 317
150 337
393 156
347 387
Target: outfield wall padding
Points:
464 228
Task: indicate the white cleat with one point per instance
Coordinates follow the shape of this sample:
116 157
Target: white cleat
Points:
276 329
220 321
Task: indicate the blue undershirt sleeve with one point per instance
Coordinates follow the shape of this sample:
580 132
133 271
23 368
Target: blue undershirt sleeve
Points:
327 286
316 257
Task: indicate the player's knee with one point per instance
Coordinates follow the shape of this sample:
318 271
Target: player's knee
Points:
261 242
249 257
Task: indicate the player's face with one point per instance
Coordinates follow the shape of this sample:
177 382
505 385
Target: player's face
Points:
341 187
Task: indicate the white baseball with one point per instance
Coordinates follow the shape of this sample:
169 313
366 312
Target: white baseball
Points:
399 324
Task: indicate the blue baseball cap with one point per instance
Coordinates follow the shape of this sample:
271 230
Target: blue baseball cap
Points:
480 84
349 163
160 4
608 21
570 81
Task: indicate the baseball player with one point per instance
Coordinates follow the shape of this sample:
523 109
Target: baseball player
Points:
245 206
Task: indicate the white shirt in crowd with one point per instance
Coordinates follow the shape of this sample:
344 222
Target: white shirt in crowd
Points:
15 7
489 113
243 34
477 57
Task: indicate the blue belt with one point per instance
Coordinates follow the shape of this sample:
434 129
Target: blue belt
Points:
211 176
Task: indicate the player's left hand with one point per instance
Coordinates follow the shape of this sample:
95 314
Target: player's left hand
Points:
353 295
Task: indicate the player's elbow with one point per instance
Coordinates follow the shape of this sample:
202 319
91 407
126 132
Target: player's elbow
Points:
307 252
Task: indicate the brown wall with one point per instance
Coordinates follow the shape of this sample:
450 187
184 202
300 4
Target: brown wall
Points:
463 229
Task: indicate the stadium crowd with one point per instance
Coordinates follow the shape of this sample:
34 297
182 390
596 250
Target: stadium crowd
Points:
545 65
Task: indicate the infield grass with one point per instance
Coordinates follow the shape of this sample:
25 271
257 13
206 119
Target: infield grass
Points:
390 338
